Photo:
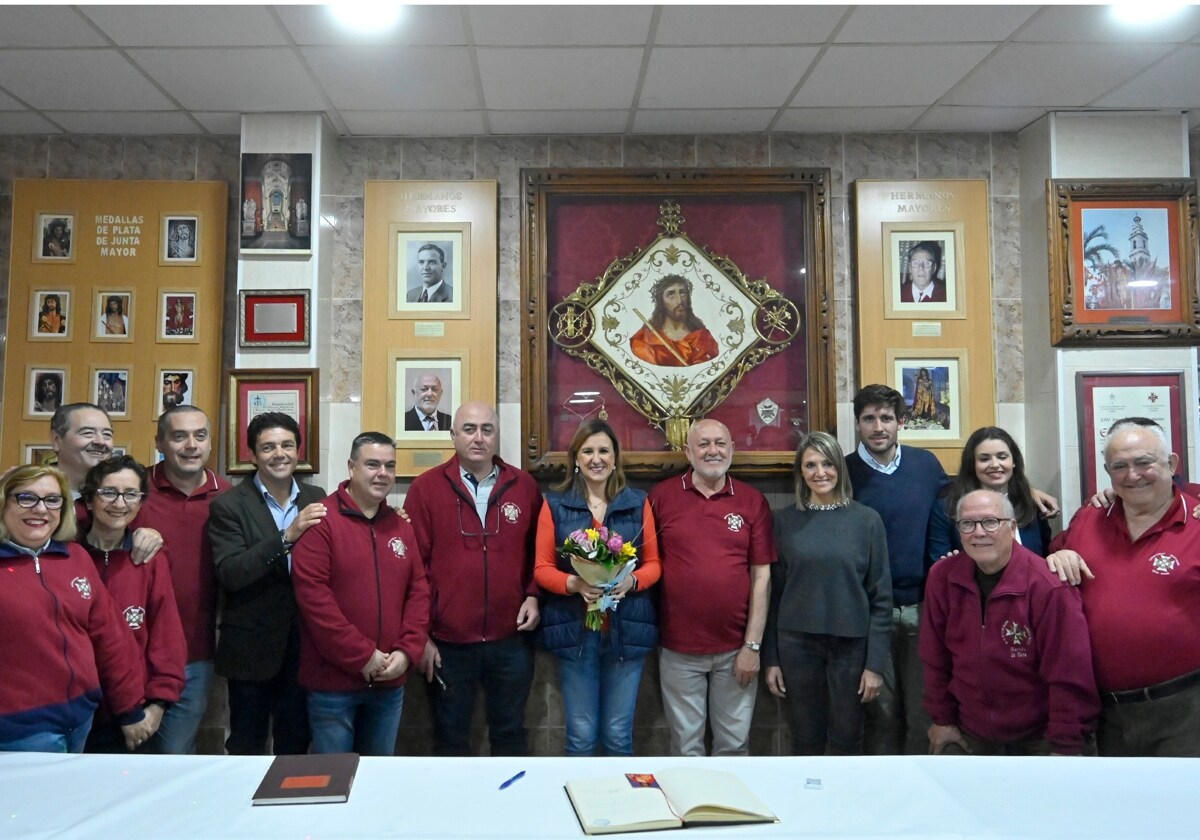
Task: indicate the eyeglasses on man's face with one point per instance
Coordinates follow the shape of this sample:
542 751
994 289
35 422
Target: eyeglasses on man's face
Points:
111 494
991 525
30 500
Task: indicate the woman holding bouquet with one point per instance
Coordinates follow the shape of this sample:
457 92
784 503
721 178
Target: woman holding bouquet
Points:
829 625
599 669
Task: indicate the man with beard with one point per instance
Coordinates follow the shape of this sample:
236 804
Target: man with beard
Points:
431 267
424 416
674 336
716 541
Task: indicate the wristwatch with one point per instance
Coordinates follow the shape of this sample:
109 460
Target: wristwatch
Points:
754 646
287 546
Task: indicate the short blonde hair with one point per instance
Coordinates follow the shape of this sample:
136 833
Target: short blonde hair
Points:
29 473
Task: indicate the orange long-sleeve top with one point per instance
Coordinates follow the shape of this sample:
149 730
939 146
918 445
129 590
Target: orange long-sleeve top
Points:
545 568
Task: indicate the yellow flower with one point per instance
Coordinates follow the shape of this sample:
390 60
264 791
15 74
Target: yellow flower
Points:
592 534
628 550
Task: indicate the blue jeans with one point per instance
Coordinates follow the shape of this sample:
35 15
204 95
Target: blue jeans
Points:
822 674
176 734
600 694
364 721
505 669
71 741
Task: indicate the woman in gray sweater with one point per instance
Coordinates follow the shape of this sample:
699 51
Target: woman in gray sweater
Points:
830 621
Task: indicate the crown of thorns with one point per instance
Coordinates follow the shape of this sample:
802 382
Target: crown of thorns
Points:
666 281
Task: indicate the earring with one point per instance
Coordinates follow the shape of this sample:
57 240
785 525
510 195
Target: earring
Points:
577 468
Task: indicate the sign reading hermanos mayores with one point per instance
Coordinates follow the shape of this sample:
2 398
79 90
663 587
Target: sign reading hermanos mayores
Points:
922 201
119 234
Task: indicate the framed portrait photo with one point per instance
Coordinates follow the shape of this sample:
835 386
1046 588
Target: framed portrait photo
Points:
54 238
424 391
110 389
177 316
172 386
51 317
934 386
274 318
38 454
112 314
179 239
1123 262
923 271
429 276
45 391
250 393
276 203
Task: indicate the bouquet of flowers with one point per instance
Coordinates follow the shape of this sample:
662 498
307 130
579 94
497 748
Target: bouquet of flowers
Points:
602 558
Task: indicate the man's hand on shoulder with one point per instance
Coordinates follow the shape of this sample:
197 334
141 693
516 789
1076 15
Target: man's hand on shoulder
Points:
308 517
1047 505
1069 566
1103 499
146 543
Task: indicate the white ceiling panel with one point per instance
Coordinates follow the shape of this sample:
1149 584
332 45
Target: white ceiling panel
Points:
243 80
723 77
1173 82
932 24
967 118
46 26
219 122
380 78
587 78
187 26
136 122
414 123
26 122
718 121
887 75
7 103
694 25
419 25
1096 24
1052 74
822 120
77 80
558 122
555 26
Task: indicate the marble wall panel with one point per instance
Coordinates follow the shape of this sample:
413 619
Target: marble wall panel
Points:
363 159
220 159
1005 164
802 151
839 230
843 331
586 152
159 159
22 157
654 151
438 159
1008 340
891 157
347 245
733 150
501 159
73 156
508 266
954 155
508 359
345 358
1006 248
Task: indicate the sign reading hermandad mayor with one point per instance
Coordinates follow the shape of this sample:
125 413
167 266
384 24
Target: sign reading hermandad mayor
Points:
655 308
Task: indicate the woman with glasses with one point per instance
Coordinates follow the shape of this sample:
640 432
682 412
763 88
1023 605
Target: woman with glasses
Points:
599 670
991 460
113 492
63 642
829 626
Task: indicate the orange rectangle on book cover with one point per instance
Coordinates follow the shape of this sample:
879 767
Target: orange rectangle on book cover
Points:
293 782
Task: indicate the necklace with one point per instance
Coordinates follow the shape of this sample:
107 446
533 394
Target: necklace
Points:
833 506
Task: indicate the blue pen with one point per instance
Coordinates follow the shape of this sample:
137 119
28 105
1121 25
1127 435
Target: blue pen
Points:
508 782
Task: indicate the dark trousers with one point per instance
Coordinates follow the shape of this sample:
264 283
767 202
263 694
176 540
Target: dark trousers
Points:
278 706
505 670
822 674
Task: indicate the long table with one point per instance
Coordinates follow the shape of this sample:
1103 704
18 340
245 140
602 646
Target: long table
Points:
130 797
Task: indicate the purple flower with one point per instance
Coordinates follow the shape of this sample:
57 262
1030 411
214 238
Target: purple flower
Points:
614 543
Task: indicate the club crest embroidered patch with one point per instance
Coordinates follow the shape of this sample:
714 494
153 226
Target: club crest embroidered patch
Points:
84 587
1164 564
398 547
734 521
135 617
511 511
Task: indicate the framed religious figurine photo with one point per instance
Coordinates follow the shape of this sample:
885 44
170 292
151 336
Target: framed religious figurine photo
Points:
179 239
923 270
1123 262
38 453
1102 398
276 203
424 391
429 270
54 238
274 318
112 314
172 386
110 389
934 386
177 315
50 315
250 393
45 391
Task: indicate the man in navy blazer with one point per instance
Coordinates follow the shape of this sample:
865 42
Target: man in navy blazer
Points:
252 528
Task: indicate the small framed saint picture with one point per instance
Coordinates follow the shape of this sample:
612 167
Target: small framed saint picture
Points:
112 318
179 239
38 454
50 315
172 387
177 316
54 238
110 389
45 391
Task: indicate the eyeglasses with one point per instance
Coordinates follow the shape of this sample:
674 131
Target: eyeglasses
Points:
967 526
111 494
486 532
30 500
921 263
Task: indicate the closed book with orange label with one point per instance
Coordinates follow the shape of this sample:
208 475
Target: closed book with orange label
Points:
307 779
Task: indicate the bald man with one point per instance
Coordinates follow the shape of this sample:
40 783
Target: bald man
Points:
717 542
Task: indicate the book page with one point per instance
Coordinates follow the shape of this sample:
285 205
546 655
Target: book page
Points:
612 804
711 795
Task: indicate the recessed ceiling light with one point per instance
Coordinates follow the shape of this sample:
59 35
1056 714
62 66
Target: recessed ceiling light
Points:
1146 12
366 16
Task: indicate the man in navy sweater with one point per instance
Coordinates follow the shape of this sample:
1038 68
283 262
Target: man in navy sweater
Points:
902 484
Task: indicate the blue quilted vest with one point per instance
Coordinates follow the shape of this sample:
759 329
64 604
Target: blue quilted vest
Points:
632 626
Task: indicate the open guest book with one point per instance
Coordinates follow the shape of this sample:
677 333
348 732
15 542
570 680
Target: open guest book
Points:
680 797
307 779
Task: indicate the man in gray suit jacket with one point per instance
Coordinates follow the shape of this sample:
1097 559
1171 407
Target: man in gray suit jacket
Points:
431 266
252 529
